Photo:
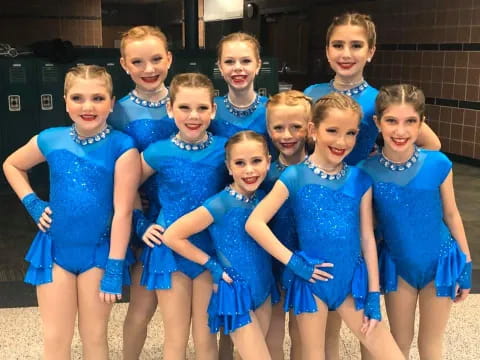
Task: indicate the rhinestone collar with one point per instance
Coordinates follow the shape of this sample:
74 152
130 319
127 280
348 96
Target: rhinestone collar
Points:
350 92
394 166
91 139
317 171
147 103
192 146
238 196
241 112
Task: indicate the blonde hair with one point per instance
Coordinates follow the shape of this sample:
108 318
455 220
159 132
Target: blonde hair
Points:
290 98
400 94
88 72
244 136
334 100
190 80
140 33
239 36
362 20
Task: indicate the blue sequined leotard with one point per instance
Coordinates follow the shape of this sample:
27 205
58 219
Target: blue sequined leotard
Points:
146 122
187 177
417 244
327 219
242 258
365 95
81 200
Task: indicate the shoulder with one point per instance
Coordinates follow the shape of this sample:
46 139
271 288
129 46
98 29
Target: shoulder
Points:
262 99
437 160
368 164
51 136
317 88
217 205
360 178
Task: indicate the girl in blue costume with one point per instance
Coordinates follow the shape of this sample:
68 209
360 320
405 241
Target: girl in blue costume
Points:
288 114
190 169
350 45
331 203
429 263
142 114
351 40
240 303
94 174
241 108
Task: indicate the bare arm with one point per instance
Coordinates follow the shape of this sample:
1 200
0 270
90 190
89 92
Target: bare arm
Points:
427 138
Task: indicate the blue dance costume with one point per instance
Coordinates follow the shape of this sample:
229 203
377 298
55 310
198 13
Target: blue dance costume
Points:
188 175
417 244
146 122
81 200
365 95
327 210
242 258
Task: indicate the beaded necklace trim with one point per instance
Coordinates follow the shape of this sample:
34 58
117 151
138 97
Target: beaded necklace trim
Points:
147 103
192 147
350 92
239 196
318 171
394 166
91 139
241 112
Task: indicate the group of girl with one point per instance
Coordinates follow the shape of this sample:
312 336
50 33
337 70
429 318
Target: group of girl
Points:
222 237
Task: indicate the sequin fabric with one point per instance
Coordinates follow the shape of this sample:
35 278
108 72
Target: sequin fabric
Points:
186 179
328 224
368 130
408 207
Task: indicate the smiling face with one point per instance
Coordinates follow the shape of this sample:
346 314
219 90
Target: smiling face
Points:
287 127
192 110
248 163
147 61
400 126
88 102
334 137
348 52
239 64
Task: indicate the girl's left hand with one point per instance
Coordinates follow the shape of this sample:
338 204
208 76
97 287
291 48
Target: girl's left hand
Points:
108 298
461 295
368 325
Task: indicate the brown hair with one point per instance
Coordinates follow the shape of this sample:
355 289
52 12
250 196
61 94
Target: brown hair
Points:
140 33
243 136
400 94
334 100
190 80
290 98
239 36
362 20
88 72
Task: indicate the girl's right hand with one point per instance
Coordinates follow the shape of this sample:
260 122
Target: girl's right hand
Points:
153 235
45 219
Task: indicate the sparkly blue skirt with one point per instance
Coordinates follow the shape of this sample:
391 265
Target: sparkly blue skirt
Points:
444 271
158 265
230 305
299 294
41 256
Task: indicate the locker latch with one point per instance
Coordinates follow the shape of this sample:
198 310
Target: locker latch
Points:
46 101
14 103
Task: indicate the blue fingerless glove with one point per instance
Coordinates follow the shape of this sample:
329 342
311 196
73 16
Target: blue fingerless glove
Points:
35 206
465 278
215 268
372 306
300 267
140 223
112 277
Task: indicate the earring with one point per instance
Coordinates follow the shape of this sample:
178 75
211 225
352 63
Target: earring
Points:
127 72
368 60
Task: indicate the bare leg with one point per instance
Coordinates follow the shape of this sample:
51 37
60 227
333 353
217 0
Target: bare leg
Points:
295 339
141 309
379 342
57 302
226 347
93 315
175 307
205 342
434 313
401 306
312 332
276 331
332 336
